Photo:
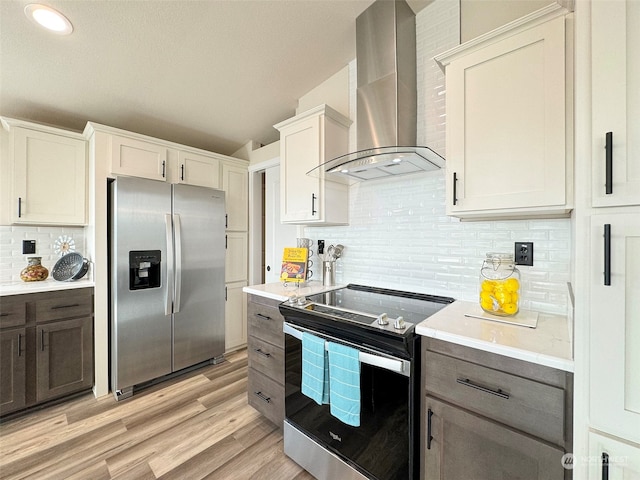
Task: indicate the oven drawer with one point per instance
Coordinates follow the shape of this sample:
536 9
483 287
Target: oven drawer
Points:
265 322
527 405
266 396
266 358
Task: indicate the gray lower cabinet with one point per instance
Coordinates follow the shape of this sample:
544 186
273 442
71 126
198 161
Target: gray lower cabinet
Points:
265 351
46 347
486 416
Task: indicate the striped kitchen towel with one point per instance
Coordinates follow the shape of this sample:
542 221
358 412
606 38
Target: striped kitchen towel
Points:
315 369
344 383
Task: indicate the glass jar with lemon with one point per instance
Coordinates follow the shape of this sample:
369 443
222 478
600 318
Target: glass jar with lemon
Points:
499 285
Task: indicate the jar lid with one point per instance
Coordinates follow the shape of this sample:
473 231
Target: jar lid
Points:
503 257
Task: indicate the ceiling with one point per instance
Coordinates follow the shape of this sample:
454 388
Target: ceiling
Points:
212 74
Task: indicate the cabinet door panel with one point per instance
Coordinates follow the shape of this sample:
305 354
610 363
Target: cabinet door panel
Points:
616 100
235 317
506 124
236 258
468 446
64 357
49 178
623 459
12 370
235 183
138 159
194 169
615 327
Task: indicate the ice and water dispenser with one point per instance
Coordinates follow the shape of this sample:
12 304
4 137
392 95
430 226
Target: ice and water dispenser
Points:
144 269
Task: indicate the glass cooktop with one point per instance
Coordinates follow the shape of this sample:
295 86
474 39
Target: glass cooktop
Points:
361 304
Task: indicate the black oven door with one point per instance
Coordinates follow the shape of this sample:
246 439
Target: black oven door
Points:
382 446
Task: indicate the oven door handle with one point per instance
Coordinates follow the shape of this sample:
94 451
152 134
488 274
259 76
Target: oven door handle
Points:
395 365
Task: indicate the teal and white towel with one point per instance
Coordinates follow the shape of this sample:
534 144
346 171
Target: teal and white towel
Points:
315 369
344 383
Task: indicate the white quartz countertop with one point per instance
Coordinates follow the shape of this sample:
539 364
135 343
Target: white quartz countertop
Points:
278 291
48 285
548 344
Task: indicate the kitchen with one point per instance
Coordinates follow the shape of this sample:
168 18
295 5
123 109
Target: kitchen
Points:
388 221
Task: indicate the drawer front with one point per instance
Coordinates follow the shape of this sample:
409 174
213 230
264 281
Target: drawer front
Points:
266 358
266 396
68 304
13 311
265 323
529 406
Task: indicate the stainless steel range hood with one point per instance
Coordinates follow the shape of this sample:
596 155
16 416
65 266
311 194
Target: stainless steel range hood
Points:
386 99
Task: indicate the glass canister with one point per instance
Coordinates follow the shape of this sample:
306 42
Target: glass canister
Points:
34 271
499 285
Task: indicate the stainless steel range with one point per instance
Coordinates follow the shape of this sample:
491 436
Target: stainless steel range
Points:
380 325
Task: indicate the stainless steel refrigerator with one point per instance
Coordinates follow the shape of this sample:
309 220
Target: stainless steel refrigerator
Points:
167 279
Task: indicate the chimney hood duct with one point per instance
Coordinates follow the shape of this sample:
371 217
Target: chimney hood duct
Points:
386 99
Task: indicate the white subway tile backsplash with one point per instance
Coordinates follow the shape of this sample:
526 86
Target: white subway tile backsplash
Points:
399 235
12 260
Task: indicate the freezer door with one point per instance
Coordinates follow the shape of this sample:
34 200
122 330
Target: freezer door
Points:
200 253
140 291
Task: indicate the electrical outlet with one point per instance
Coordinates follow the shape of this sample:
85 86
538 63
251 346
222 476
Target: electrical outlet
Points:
524 253
28 246
320 247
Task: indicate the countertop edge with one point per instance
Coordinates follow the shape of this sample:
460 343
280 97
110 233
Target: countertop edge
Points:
274 291
26 288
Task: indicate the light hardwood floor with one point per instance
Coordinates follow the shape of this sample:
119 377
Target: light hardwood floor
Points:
196 426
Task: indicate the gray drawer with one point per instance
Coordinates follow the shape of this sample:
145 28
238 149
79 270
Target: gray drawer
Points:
266 358
527 405
77 302
13 311
265 322
266 396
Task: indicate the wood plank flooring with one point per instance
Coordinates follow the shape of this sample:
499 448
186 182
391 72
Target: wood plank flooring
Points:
196 426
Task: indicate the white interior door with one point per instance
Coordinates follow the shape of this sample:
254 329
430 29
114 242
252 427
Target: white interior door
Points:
277 235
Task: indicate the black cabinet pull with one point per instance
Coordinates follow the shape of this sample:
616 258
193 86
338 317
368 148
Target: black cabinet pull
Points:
455 188
19 207
605 466
608 147
42 340
226 242
226 220
263 397
4 314
429 436
313 204
182 172
163 168
468 383
607 254
264 317
225 294
264 354
71 305
19 344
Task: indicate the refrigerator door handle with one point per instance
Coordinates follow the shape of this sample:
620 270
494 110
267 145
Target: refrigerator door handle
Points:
178 261
170 261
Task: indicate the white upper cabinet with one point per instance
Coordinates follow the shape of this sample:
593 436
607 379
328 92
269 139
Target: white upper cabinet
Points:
306 141
235 183
48 181
138 158
196 169
615 67
509 113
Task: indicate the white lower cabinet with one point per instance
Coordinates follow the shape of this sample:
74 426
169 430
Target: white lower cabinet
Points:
611 459
235 316
615 325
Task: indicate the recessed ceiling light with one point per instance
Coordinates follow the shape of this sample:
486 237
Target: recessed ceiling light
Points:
48 18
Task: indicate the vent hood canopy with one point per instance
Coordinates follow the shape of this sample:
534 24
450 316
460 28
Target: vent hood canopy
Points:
386 99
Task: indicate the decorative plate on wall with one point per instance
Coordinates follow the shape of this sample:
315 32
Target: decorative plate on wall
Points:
64 245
